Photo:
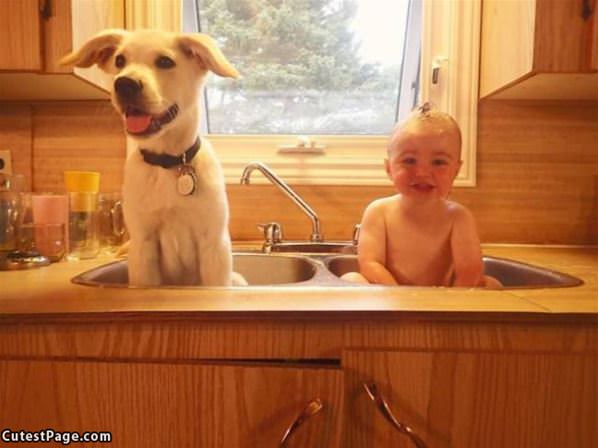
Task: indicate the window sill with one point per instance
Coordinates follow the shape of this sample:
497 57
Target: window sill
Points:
342 163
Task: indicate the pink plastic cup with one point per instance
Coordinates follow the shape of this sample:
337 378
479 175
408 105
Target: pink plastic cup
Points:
51 208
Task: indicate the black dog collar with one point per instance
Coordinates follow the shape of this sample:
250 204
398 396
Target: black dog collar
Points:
168 161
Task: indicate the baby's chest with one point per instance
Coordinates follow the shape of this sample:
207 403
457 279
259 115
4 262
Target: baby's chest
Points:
429 237
418 248
418 251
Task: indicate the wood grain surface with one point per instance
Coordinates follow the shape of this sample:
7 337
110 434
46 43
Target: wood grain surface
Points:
173 405
58 41
562 38
462 399
516 46
537 172
20 23
254 337
84 136
16 129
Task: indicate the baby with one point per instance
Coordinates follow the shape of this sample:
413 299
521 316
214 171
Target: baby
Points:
419 237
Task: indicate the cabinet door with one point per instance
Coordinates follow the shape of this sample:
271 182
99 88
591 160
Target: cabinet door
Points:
562 38
595 40
166 405
20 35
465 399
57 31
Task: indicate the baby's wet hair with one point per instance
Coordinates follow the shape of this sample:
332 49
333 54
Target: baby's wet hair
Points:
426 113
424 108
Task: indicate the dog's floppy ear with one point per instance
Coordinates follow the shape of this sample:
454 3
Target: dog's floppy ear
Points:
205 50
97 50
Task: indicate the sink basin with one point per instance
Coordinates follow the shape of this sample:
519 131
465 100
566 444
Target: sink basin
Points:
512 274
307 247
261 269
325 270
258 269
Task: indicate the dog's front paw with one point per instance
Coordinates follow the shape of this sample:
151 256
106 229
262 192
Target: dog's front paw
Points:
238 279
122 251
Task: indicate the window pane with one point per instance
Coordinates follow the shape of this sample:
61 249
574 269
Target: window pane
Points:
308 66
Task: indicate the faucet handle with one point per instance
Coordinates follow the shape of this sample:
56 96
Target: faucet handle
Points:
355 238
272 232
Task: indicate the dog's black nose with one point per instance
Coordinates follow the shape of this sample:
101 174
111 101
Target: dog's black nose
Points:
127 88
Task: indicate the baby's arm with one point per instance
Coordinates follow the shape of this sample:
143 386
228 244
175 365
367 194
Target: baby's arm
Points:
372 246
465 246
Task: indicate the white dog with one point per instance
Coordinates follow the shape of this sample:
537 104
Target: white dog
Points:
174 198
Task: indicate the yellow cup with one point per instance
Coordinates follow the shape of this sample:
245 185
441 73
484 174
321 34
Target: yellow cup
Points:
82 181
83 201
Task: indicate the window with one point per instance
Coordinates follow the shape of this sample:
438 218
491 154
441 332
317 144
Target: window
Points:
324 81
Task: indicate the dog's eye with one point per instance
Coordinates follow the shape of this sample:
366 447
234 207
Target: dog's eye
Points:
164 62
120 61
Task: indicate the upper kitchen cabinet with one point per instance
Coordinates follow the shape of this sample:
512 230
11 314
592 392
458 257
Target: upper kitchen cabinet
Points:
539 49
21 45
36 34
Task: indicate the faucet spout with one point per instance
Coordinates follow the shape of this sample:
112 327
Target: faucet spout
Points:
316 233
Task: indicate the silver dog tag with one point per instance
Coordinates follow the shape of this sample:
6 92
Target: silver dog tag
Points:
186 183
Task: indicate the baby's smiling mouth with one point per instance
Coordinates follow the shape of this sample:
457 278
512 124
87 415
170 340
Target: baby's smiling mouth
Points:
422 187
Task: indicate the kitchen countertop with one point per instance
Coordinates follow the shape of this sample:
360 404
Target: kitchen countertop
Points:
48 291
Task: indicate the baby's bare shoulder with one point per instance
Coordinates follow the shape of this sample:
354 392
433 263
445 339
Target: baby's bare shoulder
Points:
376 212
386 201
456 209
380 204
459 213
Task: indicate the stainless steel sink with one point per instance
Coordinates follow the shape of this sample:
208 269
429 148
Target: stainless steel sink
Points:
258 269
261 269
307 247
512 274
322 269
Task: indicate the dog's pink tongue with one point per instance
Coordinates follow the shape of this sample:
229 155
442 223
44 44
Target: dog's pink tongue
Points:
138 123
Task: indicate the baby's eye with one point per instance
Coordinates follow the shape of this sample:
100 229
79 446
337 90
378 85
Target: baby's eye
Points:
439 162
408 161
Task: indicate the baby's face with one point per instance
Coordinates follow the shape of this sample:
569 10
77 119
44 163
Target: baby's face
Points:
424 160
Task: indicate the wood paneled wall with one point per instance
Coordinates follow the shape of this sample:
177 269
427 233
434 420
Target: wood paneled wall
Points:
16 135
537 171
77 136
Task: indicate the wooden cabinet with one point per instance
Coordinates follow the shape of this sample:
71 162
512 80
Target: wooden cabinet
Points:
166 381
173 405
539 49
467 399
36 34
20 35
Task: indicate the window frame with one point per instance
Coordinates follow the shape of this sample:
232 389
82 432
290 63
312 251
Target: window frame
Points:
452 48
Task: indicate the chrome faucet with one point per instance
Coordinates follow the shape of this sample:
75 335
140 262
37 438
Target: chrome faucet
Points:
316 234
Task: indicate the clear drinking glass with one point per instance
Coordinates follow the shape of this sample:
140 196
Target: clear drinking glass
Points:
11 209
82 187
111 222
83 226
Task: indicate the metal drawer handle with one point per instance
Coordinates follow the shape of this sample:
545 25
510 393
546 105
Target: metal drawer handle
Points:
376 397
312 408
